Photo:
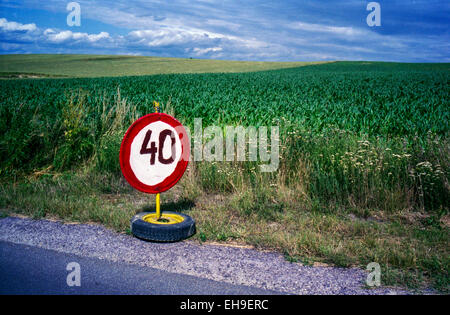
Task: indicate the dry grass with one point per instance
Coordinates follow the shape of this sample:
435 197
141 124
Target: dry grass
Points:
410 251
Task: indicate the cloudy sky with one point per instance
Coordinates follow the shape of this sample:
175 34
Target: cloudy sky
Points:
293 30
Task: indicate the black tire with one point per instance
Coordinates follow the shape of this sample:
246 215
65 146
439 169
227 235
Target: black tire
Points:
162 232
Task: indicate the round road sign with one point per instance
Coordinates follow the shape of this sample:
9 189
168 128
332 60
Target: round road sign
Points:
154 153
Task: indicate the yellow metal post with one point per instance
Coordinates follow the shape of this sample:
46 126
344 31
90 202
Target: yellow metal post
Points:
158 209
156 104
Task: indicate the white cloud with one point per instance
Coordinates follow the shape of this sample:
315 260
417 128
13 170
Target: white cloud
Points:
49 31
223 24
14 26
203 51
338 30
63 36
165 36
59 37
28 38
96 37
198 41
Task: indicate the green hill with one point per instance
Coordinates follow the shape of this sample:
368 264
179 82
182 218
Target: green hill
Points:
111 65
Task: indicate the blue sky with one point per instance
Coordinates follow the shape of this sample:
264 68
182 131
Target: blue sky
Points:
301 30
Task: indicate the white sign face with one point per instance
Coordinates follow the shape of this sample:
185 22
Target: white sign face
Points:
155 153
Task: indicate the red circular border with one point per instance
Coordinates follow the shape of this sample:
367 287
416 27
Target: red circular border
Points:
125 149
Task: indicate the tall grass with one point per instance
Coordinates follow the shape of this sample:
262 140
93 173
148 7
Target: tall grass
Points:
77 133
332 167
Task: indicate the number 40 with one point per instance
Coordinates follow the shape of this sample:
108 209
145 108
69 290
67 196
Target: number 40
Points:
153 149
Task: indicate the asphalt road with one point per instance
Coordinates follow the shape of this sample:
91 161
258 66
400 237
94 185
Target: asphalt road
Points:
34 255
32 270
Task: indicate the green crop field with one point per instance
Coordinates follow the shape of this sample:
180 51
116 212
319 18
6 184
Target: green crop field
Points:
364 155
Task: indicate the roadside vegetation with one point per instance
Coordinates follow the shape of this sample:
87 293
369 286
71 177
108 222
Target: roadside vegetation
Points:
364 160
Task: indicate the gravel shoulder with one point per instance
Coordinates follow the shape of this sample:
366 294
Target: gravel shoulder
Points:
234 265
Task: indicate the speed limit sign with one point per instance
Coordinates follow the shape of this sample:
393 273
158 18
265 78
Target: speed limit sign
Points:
154 153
